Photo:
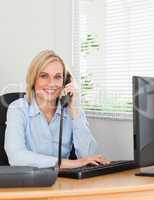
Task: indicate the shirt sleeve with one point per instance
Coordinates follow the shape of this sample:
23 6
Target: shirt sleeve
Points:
15 144
83 140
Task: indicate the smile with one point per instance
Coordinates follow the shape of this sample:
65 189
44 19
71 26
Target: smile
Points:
50 91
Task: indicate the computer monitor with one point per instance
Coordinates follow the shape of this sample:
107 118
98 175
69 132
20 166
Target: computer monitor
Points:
143 120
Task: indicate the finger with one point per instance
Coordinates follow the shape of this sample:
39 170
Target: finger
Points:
69 87
93 162
72 92
69 84
103 159
69 90
72 86
105 162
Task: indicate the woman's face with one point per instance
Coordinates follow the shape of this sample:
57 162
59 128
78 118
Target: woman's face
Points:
49 83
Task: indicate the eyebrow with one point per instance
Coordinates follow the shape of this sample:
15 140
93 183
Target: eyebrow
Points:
59 73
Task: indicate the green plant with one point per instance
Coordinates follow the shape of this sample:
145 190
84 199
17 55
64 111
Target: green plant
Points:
86 83
90 43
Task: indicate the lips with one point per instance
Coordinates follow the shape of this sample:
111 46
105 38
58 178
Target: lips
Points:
49 91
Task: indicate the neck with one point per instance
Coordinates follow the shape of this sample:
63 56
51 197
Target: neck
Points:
46 106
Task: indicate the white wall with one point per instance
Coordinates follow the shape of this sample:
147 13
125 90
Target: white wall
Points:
29 26
63 29
114 137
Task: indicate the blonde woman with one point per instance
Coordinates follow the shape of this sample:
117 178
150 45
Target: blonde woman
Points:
32 131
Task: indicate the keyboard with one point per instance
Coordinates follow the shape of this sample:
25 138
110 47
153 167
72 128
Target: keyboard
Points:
96 170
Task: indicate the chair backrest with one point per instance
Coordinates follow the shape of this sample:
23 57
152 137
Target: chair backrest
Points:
5 100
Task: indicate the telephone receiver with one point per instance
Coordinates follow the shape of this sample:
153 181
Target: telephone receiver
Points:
67 98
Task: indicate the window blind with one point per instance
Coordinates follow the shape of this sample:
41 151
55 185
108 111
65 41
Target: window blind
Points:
116 41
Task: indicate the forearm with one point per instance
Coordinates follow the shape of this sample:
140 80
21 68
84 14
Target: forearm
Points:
84 142
74 112
29 158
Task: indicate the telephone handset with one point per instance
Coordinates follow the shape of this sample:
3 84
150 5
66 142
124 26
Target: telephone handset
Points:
67 98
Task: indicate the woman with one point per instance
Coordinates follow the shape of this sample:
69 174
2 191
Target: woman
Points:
32 131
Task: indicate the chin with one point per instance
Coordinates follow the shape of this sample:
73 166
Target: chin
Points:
50 98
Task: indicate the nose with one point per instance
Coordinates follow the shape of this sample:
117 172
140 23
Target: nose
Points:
51 82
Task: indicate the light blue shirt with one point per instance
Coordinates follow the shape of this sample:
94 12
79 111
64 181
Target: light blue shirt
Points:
31 141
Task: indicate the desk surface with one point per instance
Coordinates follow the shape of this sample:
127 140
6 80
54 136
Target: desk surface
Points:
122 185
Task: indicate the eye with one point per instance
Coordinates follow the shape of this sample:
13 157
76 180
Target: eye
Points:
43 75
59 77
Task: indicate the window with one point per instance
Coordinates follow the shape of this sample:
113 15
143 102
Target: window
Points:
113 40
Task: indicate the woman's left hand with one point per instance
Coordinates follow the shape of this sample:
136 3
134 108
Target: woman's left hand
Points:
71 88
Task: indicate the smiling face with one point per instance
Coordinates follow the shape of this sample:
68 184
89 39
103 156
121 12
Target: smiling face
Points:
49 82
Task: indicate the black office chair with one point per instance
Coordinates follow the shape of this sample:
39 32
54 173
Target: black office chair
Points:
5 100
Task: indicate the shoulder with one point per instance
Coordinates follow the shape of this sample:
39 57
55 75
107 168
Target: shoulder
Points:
20 104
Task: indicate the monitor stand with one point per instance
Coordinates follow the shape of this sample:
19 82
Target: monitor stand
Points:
146 171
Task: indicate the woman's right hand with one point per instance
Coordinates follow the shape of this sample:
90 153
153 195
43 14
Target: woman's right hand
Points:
93 160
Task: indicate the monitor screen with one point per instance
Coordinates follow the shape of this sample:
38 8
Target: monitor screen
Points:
143 120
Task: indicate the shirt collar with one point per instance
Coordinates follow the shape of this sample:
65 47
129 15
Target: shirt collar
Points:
34 109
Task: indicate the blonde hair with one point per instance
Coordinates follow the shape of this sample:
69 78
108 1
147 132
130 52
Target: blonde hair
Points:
36 66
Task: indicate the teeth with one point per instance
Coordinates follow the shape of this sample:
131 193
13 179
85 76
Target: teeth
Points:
50 91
